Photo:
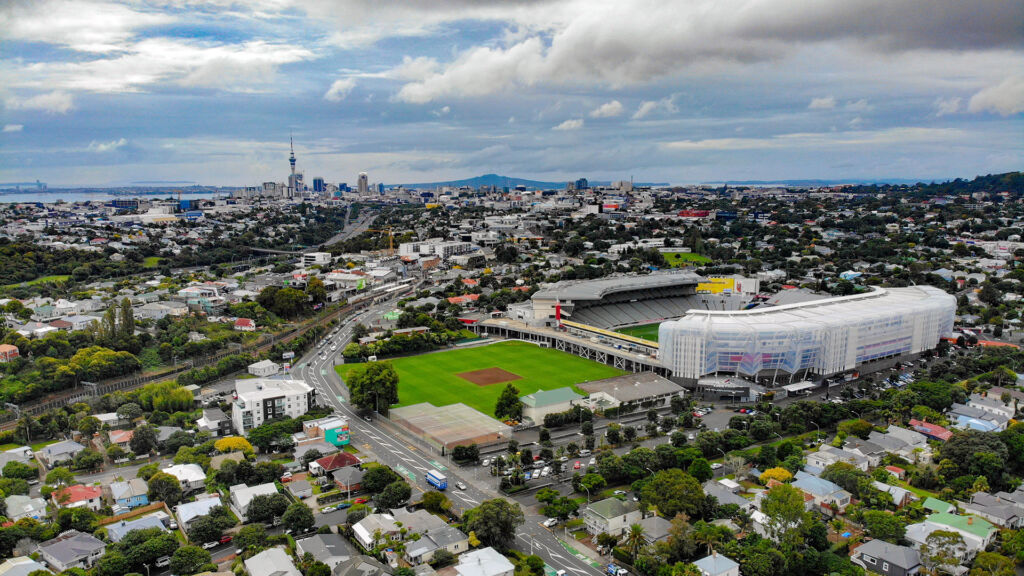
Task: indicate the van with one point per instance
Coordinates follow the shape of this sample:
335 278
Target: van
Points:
584 452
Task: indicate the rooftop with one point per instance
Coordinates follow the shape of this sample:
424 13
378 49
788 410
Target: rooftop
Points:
542 398
573 290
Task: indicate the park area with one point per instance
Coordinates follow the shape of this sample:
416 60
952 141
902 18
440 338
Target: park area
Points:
476 376
682 259
645 331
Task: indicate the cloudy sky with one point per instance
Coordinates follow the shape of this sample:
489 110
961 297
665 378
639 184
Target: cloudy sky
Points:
96 92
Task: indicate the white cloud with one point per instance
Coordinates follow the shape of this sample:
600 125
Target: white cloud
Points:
944 106
82 25
443 111
339 89
607 110
56 102
13 127
856 123
1005 98
573 124
861 105
101 147
899 135
650 106
826 103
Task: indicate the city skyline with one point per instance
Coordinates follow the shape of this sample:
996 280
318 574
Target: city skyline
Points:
100 92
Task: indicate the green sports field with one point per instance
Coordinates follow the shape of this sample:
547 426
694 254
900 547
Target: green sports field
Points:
680 259
645 331
432 377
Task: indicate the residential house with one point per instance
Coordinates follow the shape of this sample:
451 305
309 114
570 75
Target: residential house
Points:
8 352
971 418
118 530
717 565
611 516
130 494
881 557
271 562
21 454
824 496
360 565
78 322
191 476
932 431
726 494
164 433
1003 512
329 464
300 489
20 566
483 562
60 453
828 455
543 402
348 479
655 529
992 404
977 532
190 511
264 368
122 438
71 549
245 325
242 495
900 496
19 506
214 421
331 549
79 496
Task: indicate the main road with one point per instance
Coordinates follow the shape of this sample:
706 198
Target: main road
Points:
411 457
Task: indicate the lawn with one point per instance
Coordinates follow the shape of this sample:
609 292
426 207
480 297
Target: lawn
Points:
645 331
680 259
151 262
56 279
432 377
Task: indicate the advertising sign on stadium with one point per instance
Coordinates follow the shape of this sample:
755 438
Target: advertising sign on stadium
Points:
694 213
717 286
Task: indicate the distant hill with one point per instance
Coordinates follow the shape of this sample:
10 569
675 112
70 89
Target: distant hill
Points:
511 182
812 183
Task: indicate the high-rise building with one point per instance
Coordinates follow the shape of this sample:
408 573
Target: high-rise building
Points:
318 185
582 184
364 184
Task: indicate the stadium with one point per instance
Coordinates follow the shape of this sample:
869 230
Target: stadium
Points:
794 333
821 337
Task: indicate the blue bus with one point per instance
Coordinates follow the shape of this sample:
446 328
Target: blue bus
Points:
436 479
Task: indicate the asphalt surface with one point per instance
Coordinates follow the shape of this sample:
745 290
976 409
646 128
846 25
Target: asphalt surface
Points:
411 458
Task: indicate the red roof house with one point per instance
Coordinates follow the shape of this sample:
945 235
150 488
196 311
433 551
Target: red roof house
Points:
8 352
464 299
933 431
79 496
329 464
245 325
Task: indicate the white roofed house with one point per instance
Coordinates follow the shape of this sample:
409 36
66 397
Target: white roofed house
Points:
271 562
191 476
484 562
242 495
611 516
19 506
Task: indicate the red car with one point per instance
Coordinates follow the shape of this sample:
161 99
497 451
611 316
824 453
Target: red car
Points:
225 539
360 500
576 466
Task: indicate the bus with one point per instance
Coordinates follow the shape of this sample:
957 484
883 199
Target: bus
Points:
436 479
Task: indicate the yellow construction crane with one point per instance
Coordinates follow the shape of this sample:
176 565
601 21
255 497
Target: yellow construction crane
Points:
391 238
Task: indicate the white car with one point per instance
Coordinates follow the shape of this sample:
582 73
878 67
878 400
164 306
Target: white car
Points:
210 545
334 347
550 522
460 485
545 471
592 462
716 465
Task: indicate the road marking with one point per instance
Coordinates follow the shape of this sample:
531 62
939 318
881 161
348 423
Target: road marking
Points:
438 465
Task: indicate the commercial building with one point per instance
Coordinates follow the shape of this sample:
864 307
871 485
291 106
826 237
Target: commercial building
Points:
543 402
333 429
261 399
823 337
316 259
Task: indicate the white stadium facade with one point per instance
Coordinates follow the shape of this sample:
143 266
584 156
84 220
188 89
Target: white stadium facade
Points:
821 337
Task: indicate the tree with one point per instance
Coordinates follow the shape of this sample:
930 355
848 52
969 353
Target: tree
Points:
60 476
251 536
394 495
673 491
942 550
377 478
320 569
143 440
147 471
298 518
991 564
784 507
177 440
316 291
188 560
508 406
375 387
589 482
233 444
15 469
113 563
778 474
164 488
204 529
129 411
435 501
79 518
495 521
634 540
265 507
701 470
561 508
88 459
884 526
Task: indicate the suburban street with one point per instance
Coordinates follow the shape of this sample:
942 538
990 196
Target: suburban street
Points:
411 458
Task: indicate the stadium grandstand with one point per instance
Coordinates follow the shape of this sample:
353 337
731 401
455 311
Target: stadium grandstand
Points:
619 301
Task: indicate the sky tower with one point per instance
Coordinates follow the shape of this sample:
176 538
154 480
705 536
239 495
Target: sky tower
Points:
293 182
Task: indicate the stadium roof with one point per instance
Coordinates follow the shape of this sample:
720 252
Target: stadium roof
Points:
596 289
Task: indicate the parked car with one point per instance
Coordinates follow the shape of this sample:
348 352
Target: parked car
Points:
592 462
360 501
343 505
460 485
286 477
163 561
716 465
328 509
550 522
209 545
577 465
225 539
